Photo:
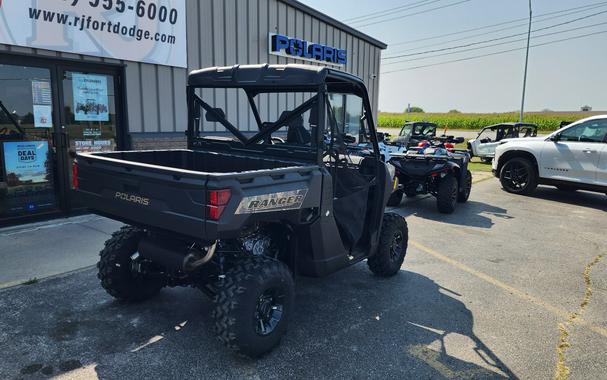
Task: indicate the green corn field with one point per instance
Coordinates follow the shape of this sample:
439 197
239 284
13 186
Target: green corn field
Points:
546 121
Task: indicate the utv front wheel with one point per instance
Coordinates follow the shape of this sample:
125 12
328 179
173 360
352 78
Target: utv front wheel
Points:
115 268
392 246
447 194
253 304
395 198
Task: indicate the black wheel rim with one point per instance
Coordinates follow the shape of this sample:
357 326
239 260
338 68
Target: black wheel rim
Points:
269 311
397 246
516 176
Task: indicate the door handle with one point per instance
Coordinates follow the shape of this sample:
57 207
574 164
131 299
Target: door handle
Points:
589 151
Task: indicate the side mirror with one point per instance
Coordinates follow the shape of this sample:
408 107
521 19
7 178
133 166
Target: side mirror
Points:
555 138
212 116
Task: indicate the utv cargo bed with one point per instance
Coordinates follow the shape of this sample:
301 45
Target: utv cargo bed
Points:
168 189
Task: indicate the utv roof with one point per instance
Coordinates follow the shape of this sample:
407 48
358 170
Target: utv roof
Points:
511 125
270 77
420 123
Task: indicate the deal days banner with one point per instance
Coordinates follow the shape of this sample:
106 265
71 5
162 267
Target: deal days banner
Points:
150 31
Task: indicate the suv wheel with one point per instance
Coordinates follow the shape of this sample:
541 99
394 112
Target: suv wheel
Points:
115 268
464 194
447 194
395 198
252 305
518 176
392 246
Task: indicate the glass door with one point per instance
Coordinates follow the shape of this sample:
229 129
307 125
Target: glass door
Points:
90 115
28 165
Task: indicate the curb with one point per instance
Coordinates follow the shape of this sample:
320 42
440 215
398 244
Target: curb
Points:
19 283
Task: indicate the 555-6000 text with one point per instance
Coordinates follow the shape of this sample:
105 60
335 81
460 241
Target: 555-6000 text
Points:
141 9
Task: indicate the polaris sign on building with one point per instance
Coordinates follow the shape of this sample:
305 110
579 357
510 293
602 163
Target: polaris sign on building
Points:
307 51
102 75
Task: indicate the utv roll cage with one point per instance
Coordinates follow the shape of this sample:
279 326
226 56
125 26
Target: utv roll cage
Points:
265 79
510 130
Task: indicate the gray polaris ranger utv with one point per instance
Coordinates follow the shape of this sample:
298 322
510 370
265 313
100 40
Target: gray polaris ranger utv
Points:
240 217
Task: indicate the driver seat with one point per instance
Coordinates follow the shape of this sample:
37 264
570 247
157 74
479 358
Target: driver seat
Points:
296 132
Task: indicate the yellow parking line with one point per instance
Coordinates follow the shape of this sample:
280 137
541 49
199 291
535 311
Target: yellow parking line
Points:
512 290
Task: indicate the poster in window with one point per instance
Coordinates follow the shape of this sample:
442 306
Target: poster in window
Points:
43 116
26 163
91 101
41 92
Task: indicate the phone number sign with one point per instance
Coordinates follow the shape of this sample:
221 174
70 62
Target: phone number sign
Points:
150 31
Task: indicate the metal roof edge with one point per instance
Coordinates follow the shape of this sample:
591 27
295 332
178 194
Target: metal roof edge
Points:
338 24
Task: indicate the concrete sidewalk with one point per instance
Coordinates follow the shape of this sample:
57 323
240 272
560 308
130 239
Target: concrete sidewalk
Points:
50 248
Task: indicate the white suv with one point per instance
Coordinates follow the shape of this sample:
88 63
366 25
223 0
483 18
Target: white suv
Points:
572 158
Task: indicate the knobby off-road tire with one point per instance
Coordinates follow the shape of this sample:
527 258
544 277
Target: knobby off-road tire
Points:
253 304
115 272
464 194
518 176
392 247
395 198
447 194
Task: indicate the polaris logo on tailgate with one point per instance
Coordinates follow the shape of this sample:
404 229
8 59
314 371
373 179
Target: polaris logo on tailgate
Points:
132 198
287 200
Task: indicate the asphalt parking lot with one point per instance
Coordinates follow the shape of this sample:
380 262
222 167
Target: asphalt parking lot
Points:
481 295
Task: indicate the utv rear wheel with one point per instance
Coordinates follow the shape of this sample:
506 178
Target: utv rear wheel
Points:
518 176
447 194
395 198
464 194
115 268
392 246
253 304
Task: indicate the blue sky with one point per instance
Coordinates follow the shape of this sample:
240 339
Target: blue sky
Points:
562 76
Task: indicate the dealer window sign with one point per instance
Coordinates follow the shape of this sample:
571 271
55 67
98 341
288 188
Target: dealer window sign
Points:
151 31
285 46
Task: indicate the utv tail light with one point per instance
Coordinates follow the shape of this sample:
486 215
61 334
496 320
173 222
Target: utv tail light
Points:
217 201
75 182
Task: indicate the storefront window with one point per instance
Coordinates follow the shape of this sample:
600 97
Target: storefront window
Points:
89 105
27 168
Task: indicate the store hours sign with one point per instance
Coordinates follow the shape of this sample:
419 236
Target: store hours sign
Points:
150 31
